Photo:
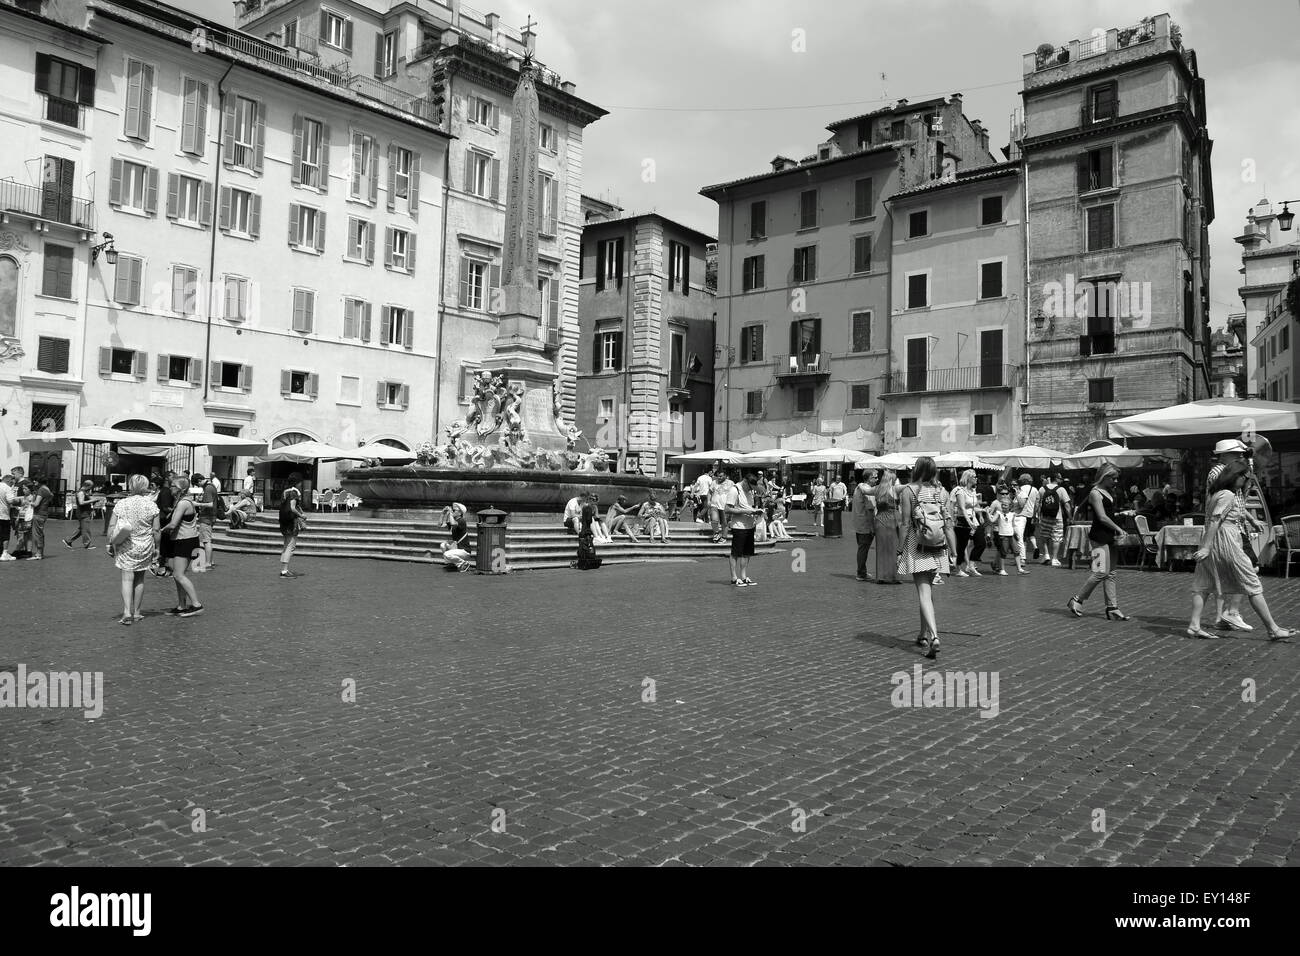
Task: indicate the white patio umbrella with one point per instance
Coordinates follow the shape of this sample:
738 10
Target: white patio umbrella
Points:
89 435
305 451
385 452
962 459
717 455
218 444
1200 424
1026 456
894 461
771 455
829 456
1106 453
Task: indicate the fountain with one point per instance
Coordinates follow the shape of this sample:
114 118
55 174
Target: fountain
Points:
514 450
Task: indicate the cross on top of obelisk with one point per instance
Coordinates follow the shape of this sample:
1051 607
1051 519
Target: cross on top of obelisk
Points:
530 40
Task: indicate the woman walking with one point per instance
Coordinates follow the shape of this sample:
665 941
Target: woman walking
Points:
886 528
85 501
1222 565
133 544
965 506
292 523
1101 538
183 532
817 502
927 541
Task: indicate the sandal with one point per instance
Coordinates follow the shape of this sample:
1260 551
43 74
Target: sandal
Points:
1202 633
1281 634
126 620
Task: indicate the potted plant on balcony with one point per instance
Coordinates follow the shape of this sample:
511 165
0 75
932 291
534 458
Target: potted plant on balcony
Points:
1043 54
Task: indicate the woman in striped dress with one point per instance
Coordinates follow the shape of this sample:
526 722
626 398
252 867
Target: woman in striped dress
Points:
914 558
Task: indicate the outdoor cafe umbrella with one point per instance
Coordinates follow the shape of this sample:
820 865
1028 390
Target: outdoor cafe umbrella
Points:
830 456
305 451
894 461
717 455
216 443
1026 456
1201 424
386 452
961 459
88 435
1105 453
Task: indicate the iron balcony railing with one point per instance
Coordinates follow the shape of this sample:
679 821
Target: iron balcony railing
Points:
806 365
967 379
52 205
1118 342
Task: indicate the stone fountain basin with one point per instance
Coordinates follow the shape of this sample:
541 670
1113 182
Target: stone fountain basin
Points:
415 488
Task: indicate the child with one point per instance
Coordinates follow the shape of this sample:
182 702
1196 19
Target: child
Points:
657 521
1000 516
776 527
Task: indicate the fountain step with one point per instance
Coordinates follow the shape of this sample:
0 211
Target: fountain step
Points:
326 521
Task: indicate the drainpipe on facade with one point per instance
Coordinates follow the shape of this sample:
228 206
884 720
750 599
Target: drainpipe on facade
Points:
442 285
629 348
1024 405
212 248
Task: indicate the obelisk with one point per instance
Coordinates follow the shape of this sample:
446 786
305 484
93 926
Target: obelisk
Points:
518 354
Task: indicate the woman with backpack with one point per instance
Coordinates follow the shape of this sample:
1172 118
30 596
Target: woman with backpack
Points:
1053 513
927 541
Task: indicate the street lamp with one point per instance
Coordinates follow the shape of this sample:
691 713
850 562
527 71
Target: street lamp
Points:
106 247
1286 217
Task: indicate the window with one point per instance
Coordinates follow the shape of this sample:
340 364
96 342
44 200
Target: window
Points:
396 327
311 153
56 272
918 363
365 168
805 264
139 100
991 358
860 323
1272 391
609 351
1102 102
394 395
121 362
304 310
466 384
241 212
185 290
606 408
990 210
189 200
133 186
983 423
478 279
808 209
178 370
1100 337
1101 227
752 273
548 196
303 384
1272 347
860 398
549 287
484 113
246 132
861 254
306 228
385 54
336 31
291 33
1101 390
918 224
1284 339
898 129
758 219
804 399
356 319
918 290
991 280
234 376
676 359
754 403
236 299
66 87
194 116
361 240
806 339
609 263
1097 169
399 250
126 284
482 173
52 355
403 177
547 142
679 266
907 428
862 204
349 390
751 344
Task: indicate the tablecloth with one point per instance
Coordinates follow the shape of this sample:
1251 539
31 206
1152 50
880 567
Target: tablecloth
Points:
1177 542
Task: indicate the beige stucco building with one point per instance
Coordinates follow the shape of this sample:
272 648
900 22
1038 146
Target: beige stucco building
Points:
1269 265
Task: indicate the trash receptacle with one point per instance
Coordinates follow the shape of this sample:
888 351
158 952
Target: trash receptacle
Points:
490 553
833 519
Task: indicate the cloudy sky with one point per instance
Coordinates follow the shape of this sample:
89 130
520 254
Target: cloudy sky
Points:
712 89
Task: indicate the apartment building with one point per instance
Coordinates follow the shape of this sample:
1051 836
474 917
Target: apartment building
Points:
804 290
465 63
1117 159
1270 266
645 345
957 320
48 226
275 235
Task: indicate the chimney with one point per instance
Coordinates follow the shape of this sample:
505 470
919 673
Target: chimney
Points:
782 162
901 104
955 100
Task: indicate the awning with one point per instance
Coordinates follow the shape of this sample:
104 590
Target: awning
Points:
1201 424
1026 456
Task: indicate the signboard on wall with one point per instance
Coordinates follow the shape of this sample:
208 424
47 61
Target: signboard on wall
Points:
832 426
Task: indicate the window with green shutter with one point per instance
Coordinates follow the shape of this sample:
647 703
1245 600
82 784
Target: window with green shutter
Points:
56 272
138 112
52 355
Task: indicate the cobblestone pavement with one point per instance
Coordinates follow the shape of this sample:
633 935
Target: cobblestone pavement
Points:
771 738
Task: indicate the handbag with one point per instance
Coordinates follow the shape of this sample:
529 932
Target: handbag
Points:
299 525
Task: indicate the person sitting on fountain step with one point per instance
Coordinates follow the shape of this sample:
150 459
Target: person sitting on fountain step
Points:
573 513
616 519
598 529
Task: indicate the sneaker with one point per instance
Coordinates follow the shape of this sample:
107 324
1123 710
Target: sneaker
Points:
192 611
36 557
976 572
1003 572
91 547
68 545
961 574
288 574
1021 571
750 584
863 577
6 556
1235 622
176 611
737 582
1047 561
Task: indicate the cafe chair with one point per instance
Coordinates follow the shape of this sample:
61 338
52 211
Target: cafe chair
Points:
1148 541
1290 543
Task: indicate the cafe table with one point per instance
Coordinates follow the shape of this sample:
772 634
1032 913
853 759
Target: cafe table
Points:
1177 542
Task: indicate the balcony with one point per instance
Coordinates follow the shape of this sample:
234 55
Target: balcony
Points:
550 337
1160 32
46 205
64 112
974 378
803 369
1117 343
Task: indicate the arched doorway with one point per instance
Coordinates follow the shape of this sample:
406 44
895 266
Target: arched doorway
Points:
275 476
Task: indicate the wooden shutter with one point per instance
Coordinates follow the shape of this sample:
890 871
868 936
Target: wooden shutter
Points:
496 179
596 351
146 101
744 344
370 243
410 252
618 263
286 381
464 283
140 365
151 191
413 185
618 350
228 130
1081 169
382 393
295 169
496 118
349 319
105 361
189 111
201 120
347 36
164 365
85 86
231 301
297 320
686 269
469 170
194 372
356 163
320 230
388 247
178 300
404 396
324 27
255 216
379 56
408 334
672 265
259 136
392 177
246 377
309 310
205 204
555 301
493 287
386 326
122 280
134 81
223 210
293 224
324 157
173 194
374 172
365 322
42 73
313 385
794 338
214 373
115 183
